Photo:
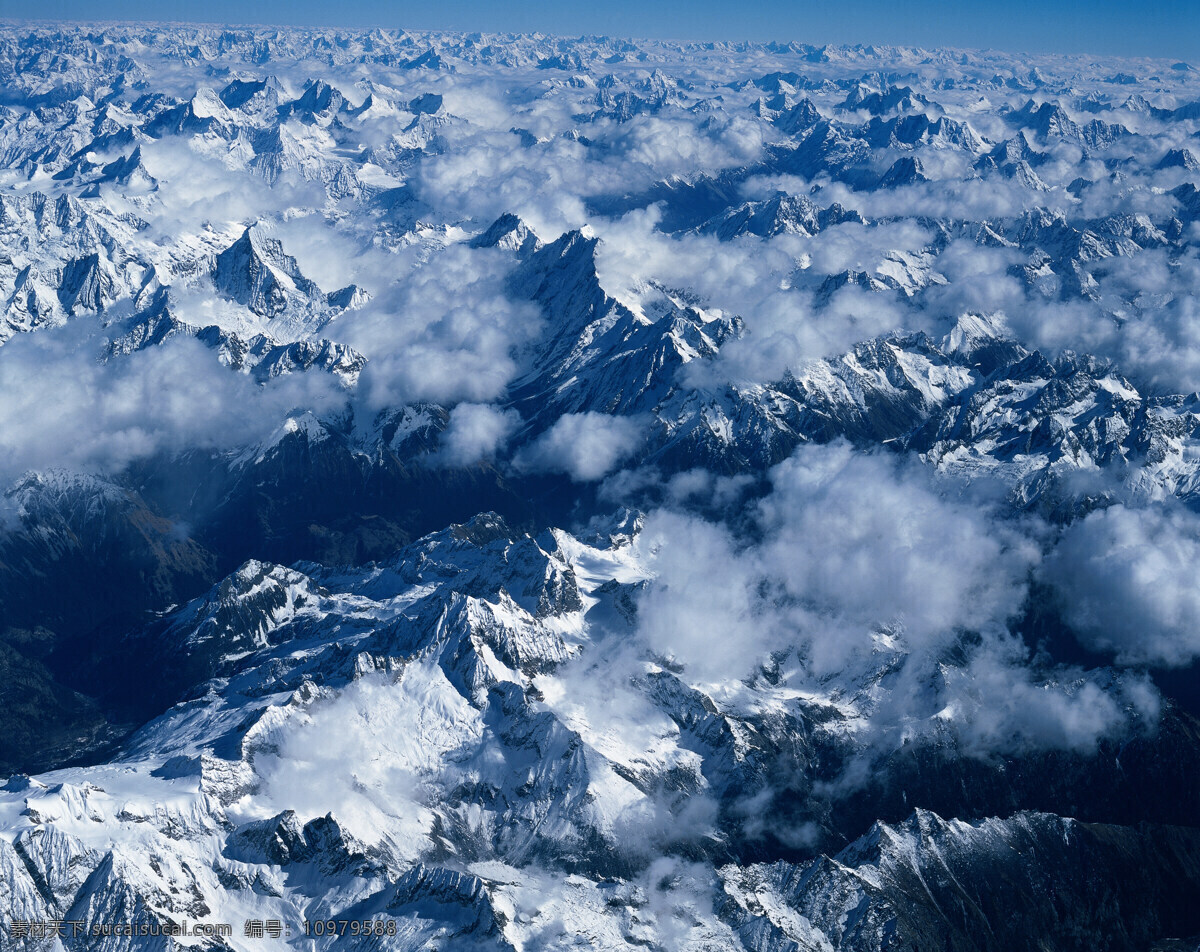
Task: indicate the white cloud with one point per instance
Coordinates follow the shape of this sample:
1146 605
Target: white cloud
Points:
849 543
61 407
872 539
446 333
998 704
476 432
199 181
861 564
585 446
1129 582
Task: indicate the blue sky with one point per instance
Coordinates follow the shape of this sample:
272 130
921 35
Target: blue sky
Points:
1167 28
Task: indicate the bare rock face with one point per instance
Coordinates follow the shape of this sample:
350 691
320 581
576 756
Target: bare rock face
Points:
929 883
255 272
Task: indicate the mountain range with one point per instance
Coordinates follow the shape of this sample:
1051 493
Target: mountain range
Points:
520 492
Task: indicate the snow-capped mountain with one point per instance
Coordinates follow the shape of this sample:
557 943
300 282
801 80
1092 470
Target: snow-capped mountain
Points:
511 492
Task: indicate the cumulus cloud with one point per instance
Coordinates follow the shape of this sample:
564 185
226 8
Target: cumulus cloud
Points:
702 609
1129 583
585 446
762 283
703 488
998 703
874 539
447 333
476 432
335 256
488 171
849 543
201 181
861 575
61 407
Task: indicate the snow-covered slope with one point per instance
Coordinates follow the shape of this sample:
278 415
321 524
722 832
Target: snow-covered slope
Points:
454 743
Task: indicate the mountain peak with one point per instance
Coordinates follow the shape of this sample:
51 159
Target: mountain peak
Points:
255 272
318 101
907 170
1180 159
510 233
